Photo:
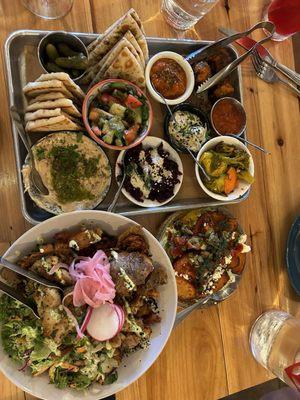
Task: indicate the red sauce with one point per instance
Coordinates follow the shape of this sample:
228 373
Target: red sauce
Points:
168 78
228 118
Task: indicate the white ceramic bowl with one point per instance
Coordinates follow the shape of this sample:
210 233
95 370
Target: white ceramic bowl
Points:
138 362
152 141
187 69
242 186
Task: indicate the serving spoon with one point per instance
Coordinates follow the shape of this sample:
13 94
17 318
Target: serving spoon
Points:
184 147
34 176
118 192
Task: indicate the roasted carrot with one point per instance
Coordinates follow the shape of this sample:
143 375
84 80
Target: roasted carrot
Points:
230 181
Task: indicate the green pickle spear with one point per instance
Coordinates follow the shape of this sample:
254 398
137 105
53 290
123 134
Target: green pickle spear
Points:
73 62
66 51
51 52
52 67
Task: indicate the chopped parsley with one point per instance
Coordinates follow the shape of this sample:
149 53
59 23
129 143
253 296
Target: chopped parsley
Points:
40 153
68 167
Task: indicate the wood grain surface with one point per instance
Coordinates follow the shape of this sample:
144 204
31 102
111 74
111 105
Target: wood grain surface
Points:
207 356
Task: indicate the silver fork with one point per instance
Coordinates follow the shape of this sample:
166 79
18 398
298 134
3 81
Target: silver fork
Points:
267 73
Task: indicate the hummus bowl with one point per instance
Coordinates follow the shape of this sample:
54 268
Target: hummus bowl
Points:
75 170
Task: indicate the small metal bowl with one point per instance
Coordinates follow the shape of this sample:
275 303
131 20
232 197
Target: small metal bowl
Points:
239 106
183 107
60 37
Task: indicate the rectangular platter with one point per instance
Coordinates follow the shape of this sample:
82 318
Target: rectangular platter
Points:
22 66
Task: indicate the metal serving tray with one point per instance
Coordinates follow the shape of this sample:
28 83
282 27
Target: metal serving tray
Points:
22 66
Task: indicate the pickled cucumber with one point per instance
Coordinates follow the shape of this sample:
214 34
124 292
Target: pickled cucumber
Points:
52 67
73 62
51 52
66 51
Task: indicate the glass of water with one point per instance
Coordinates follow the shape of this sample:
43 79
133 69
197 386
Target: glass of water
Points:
50 9
275 344
184 14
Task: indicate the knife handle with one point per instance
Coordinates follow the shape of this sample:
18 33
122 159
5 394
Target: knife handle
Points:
289 73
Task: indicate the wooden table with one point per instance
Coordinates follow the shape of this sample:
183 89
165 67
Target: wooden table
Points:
208 355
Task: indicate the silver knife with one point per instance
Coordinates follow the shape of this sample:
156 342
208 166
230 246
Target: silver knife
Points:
247 42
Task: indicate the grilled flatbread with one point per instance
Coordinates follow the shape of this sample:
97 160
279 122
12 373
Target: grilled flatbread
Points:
126 66
110 39
66 80
99 69
33 89
60 123
47 96
129 36
65 104
44 113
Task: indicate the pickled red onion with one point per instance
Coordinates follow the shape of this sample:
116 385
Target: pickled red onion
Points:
94 285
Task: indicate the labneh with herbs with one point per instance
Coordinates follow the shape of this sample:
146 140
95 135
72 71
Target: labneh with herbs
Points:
187 130
207 249
152 173
73 168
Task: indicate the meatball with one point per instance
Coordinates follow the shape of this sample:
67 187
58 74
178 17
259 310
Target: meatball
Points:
224 89
202 71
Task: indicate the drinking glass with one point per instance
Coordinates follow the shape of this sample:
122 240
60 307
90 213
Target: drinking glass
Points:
275 344
50 9
184 14
285 15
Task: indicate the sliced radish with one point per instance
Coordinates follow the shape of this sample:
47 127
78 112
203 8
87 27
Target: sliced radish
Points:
121 315
86 319
104 322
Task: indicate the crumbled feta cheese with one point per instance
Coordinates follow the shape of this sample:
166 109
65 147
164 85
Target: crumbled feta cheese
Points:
228 259
246 248
242 239
73 245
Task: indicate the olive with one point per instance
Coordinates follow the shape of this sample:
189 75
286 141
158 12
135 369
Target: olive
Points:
51 52
66 51
73 62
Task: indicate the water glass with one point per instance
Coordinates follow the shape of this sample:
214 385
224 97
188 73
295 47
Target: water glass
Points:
275 344
285 15
49 9
184 14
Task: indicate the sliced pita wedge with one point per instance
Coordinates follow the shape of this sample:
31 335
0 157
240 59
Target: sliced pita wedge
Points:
66 80
43 113
47 96
126 66
60 123
65 104
110 39
99 69
33 89
129 36
136 17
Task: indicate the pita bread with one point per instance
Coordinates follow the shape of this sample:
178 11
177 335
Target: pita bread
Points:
66 80
99 69
47 96
129 36
60 123
126 66
110 39
33 89
65 104
136 17
43 113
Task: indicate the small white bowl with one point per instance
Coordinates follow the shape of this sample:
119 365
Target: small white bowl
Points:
242 186
152 141
187 69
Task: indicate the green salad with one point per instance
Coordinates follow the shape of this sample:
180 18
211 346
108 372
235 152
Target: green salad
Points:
71 363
